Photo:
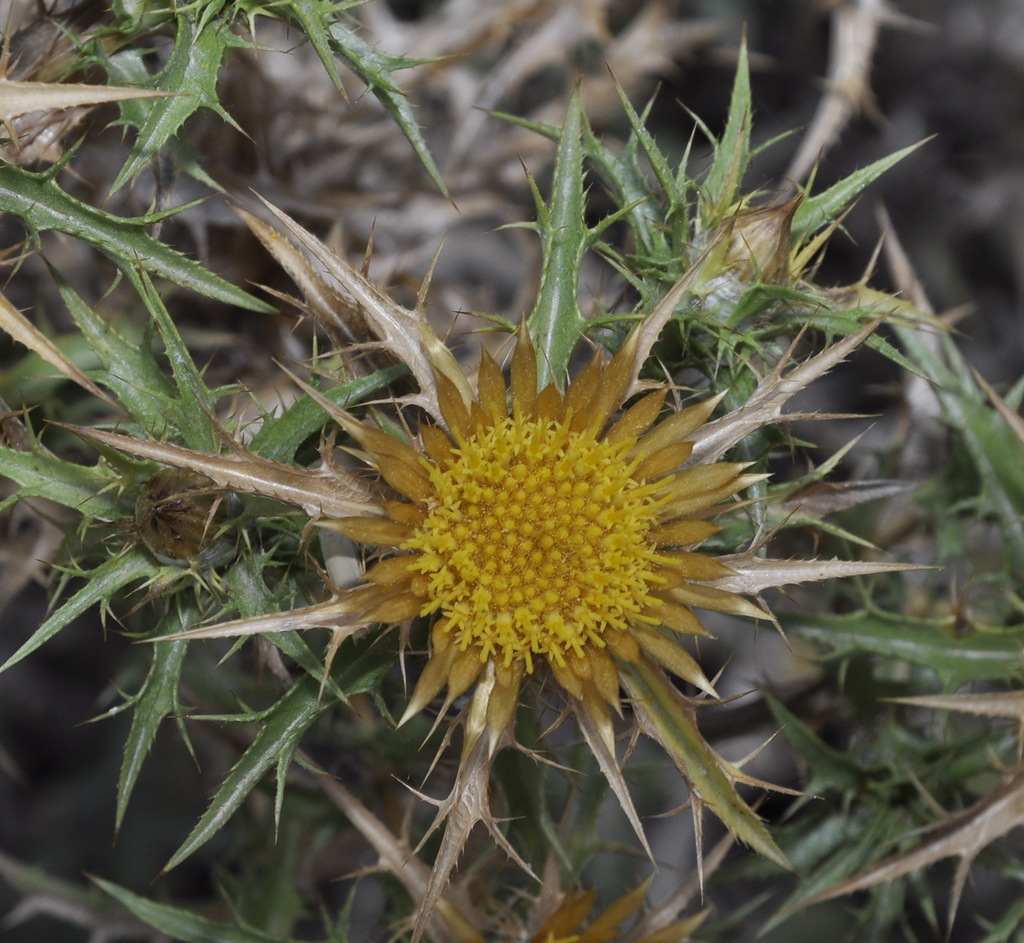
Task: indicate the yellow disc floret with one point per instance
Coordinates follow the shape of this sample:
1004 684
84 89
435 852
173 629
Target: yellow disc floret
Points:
536 542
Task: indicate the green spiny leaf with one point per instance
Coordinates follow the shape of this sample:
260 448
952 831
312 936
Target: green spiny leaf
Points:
103 583
194 402
275 743
280 436
43 205
375 69
732 151
43 475
994 450
625 179
830 768
929 642
191 75
182 925
556 322
703 770
129 369
316 17
818 211
157 699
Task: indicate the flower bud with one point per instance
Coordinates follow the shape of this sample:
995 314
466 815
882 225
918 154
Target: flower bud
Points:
759 242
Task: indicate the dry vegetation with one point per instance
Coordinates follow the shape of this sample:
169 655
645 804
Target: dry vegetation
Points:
246 239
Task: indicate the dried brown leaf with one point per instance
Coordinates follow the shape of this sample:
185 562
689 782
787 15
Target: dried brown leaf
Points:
402 332
755 574
765 405
821 498
961 834
1013 420
25 332
21 98
992 704
855 27
449 924
324 492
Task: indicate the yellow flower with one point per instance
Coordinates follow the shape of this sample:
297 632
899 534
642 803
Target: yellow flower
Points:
544 531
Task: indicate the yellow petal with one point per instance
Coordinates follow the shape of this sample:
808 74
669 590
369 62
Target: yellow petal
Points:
395 608
671 655
700 503
693 482
675 617
605 674
604 927
696 566
623 646
618 377
665 460
638 418
392 571
410 480
566 921
491 387
717 600
380 443
596 710
453 409
524 377
370 530
433 678
402 512
579 395
568 679
436 444
503 701
675 428
683 533
464 670
549 403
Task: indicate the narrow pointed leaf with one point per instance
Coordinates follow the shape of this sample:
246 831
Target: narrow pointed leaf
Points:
672 724
182 925
556 322
103 582
330 493
280 436
129 370
818 211
755 574
402 331
963 834
732 152
955 658
43 205
375 68
21 98
43 475
194 403
25 332
275 743
157 699
190 80
315 20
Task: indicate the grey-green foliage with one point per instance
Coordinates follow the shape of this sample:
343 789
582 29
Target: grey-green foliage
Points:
725 330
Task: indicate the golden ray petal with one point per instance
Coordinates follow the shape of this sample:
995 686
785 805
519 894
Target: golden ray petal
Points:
636 420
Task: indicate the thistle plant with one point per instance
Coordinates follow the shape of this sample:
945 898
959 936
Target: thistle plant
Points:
442 610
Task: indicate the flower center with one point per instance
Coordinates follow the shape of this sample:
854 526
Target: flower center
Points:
537 541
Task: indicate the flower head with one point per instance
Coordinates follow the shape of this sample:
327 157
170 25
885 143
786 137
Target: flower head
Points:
544 532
